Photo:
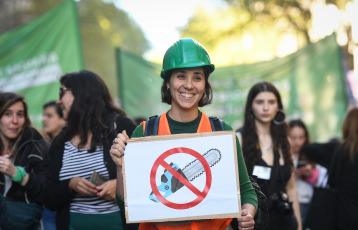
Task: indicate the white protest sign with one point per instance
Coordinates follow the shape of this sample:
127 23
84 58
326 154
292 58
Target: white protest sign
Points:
181 177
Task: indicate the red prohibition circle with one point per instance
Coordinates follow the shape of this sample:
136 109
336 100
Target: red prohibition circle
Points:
201 194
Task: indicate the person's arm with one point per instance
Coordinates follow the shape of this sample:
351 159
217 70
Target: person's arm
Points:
57 193
249 202
293 197
320 153
33 164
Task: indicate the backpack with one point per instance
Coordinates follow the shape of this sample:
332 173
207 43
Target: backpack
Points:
262 215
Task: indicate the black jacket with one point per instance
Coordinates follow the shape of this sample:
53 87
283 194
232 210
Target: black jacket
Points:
30 154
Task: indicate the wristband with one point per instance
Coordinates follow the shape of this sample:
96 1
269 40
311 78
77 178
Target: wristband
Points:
20 174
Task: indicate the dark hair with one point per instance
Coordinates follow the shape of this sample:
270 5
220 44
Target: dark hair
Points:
138 120
350 133
7 99
93 109
250 145
301 124
207 96
56 106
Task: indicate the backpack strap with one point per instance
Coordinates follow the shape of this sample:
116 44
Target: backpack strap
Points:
151 126
216 124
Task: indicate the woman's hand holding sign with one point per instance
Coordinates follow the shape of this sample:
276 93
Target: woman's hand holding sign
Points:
117 152
118 147
246 221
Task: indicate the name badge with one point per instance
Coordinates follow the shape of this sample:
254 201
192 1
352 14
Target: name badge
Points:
262 172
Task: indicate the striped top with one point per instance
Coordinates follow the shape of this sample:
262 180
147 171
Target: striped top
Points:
80 163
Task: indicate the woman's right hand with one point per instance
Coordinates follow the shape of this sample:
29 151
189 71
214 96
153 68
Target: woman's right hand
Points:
118 147
82 186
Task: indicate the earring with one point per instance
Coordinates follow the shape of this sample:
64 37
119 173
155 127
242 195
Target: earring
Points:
281 117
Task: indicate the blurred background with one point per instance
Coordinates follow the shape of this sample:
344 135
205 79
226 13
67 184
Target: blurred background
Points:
307 48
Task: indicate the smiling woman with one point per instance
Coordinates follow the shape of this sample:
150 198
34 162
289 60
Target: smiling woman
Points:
185 73
22 173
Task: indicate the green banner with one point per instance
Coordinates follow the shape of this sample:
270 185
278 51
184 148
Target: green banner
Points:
139 84
311 82
35 55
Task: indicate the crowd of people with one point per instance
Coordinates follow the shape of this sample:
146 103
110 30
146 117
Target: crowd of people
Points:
70 173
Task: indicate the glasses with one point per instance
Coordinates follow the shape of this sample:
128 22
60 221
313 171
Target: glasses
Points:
63 91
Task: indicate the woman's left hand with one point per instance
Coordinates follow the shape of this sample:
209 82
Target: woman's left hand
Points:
246 221
7 167
107 190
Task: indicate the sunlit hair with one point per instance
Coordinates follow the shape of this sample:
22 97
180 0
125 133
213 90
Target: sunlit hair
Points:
7 99
350 133
250 145
205 100
93 109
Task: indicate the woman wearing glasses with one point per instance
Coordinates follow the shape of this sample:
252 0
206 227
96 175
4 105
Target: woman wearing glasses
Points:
81 177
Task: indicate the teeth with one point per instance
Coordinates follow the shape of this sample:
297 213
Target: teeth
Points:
186 95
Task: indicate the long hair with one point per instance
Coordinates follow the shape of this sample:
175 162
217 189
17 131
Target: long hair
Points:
7 99
250 145
205 100
93 109
350 133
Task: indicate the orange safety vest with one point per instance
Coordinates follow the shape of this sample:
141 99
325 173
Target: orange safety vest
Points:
214 224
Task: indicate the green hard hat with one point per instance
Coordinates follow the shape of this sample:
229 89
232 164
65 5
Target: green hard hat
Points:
186 53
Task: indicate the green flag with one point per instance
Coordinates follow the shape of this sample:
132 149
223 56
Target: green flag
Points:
34 56
139 84
311 82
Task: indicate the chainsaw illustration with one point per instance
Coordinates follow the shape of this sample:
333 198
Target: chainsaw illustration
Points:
170 184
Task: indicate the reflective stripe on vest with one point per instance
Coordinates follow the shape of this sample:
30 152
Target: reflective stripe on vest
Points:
214 224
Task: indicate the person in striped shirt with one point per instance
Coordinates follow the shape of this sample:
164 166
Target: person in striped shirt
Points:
81 176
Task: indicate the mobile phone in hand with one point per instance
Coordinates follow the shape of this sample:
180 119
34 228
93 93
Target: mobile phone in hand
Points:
97 179
301 163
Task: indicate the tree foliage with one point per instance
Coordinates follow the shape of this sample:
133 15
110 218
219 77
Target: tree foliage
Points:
102 26
246 31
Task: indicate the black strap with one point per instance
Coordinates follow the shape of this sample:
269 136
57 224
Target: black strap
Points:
216 124
274 172
152 125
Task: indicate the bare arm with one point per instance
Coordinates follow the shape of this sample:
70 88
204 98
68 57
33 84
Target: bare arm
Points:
293 197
